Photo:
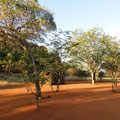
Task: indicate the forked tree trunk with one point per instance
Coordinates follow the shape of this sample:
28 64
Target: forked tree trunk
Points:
56 82
94 77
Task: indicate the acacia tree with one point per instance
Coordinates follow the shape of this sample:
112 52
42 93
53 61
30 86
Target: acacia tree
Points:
22 20
87 48
57 41
111 62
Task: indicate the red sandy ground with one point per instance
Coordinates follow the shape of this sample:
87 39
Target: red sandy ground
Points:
75 101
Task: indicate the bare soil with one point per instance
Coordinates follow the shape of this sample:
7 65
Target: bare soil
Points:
74 101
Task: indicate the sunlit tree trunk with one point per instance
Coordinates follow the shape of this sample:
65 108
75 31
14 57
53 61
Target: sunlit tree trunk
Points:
93 78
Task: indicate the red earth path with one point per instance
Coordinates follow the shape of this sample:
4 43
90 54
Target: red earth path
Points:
74 101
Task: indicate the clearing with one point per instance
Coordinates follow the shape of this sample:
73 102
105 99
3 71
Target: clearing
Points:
75 101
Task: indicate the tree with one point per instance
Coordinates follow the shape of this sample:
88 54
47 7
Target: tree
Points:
58 41
55 70
111 62
71 72
25 20
87 48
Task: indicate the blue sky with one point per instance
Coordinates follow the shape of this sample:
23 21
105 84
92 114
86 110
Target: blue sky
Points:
86 14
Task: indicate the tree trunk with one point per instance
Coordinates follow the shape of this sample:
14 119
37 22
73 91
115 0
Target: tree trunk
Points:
71 75
38 89
93 75
114 87
59 80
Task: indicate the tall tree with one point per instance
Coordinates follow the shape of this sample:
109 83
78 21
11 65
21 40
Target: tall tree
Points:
22 20
87 48
111 62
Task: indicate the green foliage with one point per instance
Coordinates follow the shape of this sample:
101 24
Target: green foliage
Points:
13 61
89 48
20 21
71 71
82 73
58 41
86 47
101 75
24 19
10 60
111 60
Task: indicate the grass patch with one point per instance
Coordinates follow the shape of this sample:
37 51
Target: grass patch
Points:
4 84
11 80
12 77
76 78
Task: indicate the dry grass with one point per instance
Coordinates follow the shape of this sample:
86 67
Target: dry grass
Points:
9 84
76 78
11 80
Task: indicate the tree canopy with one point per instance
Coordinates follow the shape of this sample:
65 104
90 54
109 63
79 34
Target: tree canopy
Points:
22 21
88 48
24 18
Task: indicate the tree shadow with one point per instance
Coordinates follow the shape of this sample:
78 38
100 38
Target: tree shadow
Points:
67 103
77 82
